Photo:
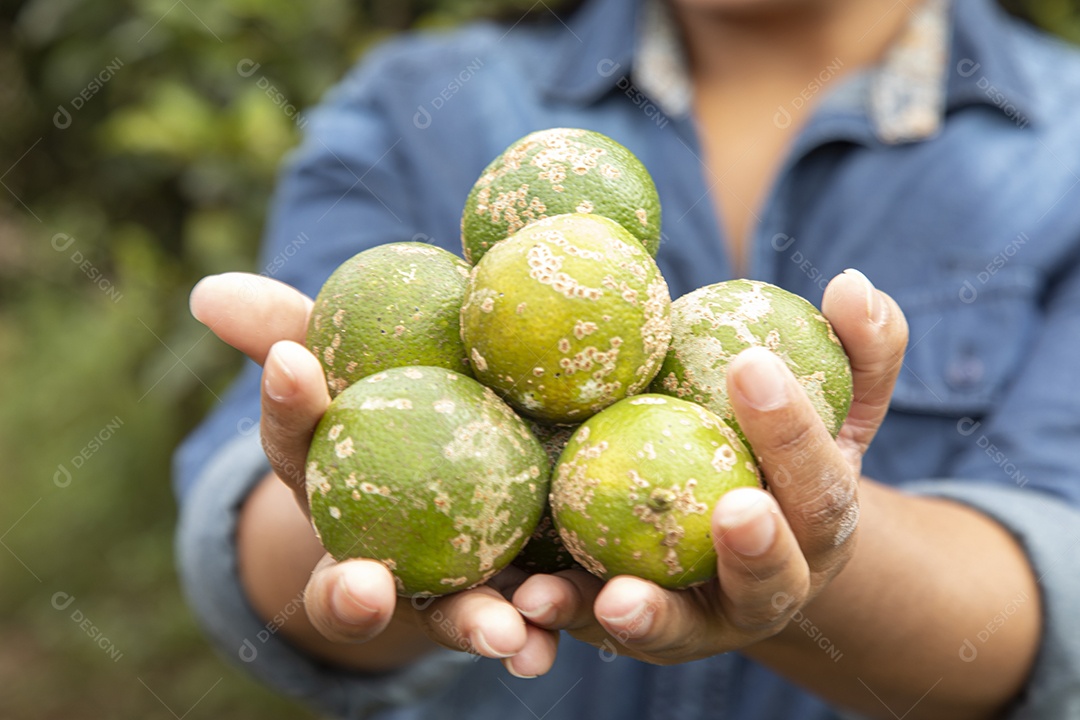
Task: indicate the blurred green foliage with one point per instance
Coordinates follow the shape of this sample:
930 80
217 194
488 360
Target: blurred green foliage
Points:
136 157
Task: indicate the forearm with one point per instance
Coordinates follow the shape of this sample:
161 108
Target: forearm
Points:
885 637
277 551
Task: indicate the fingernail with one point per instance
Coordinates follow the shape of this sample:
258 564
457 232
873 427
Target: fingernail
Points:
484 647
279 382
201 287
747 523
761 380
633 624
537 613
876 308
508 663
347 602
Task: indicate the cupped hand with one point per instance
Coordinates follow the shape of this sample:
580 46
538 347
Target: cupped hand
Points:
777 549
355 600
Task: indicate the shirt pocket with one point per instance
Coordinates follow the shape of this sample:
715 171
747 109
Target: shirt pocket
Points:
968 336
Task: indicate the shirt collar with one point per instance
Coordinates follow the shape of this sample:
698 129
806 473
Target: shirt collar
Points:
952 54
984 67
595 50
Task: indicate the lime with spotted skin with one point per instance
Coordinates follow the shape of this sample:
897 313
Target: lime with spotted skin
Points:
429 472
392 305
558 171
713 324
565 317
635 488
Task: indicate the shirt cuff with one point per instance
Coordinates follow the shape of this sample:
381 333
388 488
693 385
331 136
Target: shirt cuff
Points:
206 556
1048 530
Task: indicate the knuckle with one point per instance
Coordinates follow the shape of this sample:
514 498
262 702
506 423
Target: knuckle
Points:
795 443
831 508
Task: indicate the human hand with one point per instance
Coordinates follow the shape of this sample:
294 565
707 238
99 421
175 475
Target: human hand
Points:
777 549
354 601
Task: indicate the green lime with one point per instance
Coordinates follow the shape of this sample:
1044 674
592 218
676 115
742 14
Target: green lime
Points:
635 489
565 317
554 172
713 324
430 473
393 305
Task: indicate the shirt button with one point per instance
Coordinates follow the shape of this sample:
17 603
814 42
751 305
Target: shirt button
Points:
966 372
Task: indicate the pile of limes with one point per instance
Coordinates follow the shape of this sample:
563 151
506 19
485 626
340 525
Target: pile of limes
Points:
548 404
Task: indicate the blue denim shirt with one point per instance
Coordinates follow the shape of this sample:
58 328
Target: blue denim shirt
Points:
967 212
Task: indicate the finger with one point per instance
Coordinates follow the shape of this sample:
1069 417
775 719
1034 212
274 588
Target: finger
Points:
507 580
351 601
806 470
537 656
763 574
294 398
874 333
763 577
480 620
251 312
563 601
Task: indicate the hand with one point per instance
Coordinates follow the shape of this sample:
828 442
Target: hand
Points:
777 549
353 601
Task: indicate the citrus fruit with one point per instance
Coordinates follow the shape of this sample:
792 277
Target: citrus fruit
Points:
545 552
713 324
635 488
565 317
558 171
429 472
389 306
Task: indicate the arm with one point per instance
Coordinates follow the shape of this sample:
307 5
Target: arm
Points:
925 575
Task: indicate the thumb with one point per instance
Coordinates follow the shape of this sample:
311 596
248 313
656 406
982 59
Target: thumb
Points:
294 398
874 333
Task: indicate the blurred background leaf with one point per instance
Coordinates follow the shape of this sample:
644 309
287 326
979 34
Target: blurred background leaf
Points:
118 194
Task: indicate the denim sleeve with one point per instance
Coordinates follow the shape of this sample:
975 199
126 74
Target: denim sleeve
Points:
1048 530
207 560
